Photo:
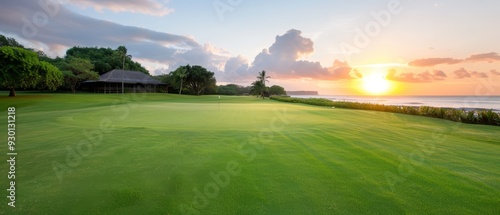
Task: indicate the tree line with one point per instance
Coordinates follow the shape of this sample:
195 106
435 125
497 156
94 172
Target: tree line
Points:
260 89
26 68
193 80
197 80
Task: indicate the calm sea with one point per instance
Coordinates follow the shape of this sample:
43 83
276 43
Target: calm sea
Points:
465 102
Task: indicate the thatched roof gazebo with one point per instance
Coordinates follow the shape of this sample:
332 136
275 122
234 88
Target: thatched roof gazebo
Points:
123 81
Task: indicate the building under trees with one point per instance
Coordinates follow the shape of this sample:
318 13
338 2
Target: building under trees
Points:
118 81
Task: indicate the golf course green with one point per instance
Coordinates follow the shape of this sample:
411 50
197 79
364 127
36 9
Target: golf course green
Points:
171 154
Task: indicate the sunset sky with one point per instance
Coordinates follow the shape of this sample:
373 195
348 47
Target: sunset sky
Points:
385 47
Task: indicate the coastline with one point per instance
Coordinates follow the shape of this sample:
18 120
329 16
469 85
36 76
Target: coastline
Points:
465 115
466 103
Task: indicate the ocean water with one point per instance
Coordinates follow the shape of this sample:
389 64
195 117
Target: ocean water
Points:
461 102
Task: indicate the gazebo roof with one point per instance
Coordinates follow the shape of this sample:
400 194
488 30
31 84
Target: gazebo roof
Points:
126 76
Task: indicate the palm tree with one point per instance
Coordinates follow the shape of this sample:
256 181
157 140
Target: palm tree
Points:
181 73
259 86
263 78
125 56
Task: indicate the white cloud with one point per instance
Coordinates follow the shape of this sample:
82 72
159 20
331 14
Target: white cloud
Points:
280 60
149 7
236 68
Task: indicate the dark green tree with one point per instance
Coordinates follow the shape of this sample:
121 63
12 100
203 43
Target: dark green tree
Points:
230 89
180 75
19 68
258 89
277 90
106 59
198 79
8 41
170 80
243 90
76 71
259 86
50 77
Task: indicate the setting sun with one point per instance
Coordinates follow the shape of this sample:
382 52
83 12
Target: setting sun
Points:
375 84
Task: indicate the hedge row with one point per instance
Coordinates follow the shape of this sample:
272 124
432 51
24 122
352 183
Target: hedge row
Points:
485 117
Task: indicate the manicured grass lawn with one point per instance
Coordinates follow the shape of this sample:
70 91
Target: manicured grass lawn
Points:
159 154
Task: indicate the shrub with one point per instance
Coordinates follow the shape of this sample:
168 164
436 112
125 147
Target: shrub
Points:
486 117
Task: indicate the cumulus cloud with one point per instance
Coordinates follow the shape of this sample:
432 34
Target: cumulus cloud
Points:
149 7
342 70
423 77
429 62
236 68
292 45
281 60
476 74
207 56
494 72
488 57
160 71
463 73
438 75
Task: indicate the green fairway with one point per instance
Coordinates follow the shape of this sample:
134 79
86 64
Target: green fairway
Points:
171 154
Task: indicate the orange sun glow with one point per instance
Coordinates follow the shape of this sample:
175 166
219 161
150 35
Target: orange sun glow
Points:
375 84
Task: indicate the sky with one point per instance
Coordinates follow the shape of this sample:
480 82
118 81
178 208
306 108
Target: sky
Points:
380 47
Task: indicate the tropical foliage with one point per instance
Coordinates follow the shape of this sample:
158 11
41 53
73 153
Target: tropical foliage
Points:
259 86
106 59
8 41
29 69
76 71
21 68
180 75
233 89
194 80
50 77
277 90
199 80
